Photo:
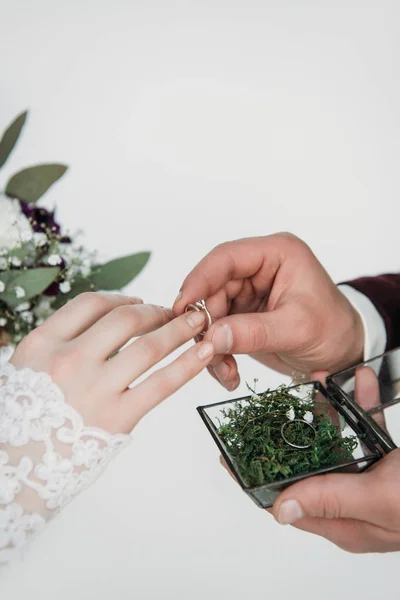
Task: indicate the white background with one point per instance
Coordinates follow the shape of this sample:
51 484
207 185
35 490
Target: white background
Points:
187 123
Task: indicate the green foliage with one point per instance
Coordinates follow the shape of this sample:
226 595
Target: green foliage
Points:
32 281
78 286
10 137
251 431
26 263
113 275
117 273
31 183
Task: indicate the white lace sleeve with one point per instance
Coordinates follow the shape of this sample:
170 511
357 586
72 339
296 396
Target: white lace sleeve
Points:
47 455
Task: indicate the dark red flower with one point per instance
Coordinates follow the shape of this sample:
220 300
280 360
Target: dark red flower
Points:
42 219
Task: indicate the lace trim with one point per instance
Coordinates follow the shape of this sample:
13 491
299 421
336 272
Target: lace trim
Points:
47 455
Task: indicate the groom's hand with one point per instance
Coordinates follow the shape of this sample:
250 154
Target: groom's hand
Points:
357 512
271 298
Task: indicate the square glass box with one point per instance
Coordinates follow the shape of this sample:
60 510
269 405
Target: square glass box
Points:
365 400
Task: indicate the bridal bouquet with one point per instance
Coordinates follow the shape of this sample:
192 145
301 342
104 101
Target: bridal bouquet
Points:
41 266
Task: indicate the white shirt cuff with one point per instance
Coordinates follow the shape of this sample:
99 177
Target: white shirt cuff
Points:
374 326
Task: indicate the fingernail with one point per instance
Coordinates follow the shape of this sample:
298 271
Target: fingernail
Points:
205 350
232 385
289 512
195 319
222 339
137 300
222 371
179 296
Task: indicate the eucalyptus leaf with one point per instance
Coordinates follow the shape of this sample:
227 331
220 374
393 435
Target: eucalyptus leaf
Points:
21 252
79 286
31 183
33 282
10 137
117 273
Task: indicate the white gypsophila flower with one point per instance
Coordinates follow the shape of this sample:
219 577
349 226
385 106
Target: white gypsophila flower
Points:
2 286
65 287
291 414
19 291
54 260
13 224
85 271
72 272
43 310
39 239
22 307
3 264
15 261
308 417
44 304
27 316
3 322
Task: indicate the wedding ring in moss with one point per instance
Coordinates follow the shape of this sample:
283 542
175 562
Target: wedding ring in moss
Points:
293 434
201 306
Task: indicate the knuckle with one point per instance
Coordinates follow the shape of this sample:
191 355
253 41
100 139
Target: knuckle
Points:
171 378
290 241
328 500
290 238
151 350
127 315
257 336
168 380
94 300
221 247
159 313
287 235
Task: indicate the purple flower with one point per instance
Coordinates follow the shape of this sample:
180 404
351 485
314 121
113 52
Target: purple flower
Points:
42 219
52 290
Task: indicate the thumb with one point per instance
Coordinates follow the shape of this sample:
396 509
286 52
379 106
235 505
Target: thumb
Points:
251 333
335 496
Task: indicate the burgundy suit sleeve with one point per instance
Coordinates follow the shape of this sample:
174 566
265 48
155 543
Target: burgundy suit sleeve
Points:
384 293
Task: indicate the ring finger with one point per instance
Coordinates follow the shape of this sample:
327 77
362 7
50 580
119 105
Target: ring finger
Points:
116 328
148 350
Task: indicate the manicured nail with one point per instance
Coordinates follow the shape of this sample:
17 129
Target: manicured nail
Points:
222 339
179 296
222 371
289 512
205 350
195 319
232 385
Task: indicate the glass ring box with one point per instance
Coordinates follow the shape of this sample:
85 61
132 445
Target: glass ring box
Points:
272 440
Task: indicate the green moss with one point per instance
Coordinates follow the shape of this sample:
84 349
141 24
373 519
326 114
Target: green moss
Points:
251 430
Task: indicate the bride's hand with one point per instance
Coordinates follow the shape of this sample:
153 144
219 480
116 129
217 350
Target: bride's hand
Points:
75 344
66 405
